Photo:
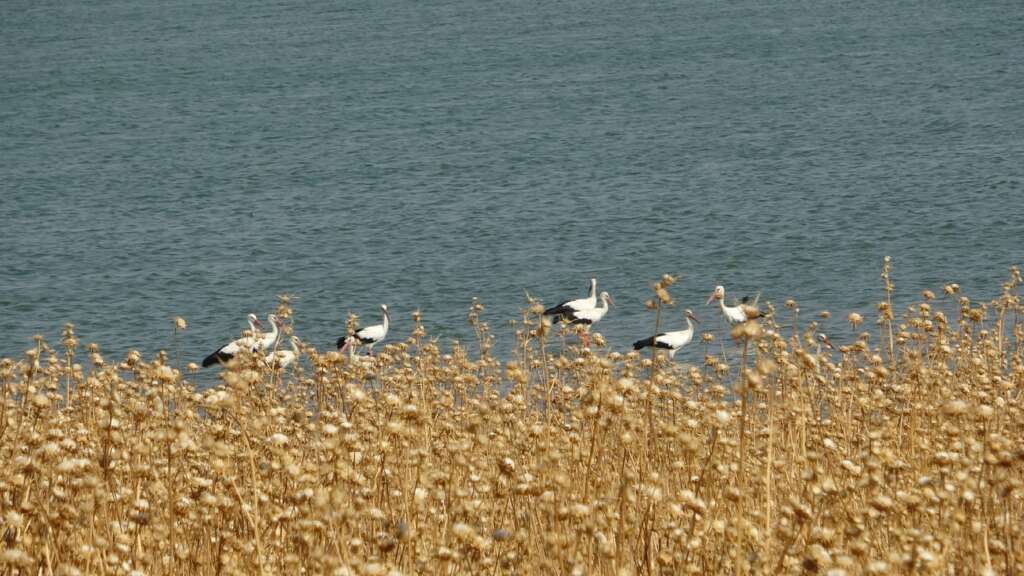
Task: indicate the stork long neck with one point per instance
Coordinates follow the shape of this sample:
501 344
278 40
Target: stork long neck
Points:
386 321
295 347
273 332
721 302
689 325
593 289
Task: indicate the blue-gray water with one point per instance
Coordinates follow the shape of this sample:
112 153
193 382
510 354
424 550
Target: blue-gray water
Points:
169 157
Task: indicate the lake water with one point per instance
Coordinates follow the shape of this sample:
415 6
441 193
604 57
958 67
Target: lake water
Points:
164 158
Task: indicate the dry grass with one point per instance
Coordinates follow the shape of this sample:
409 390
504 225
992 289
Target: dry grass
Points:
895 454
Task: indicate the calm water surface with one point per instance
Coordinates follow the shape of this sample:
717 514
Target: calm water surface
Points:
162 158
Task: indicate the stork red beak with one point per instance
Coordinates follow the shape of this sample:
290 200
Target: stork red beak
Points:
714 295
611 301
258 323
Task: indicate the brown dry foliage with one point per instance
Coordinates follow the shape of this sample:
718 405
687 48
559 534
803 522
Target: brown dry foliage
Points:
419 461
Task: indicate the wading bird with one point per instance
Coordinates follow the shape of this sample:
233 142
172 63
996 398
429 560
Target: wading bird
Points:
565 310
590 316
229 350
283 358
823 339
671 341
734 314
270 338
367 336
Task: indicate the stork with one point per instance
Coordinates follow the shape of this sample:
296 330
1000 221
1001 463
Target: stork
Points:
270 338
367 336
566 309
229 350
824 341
590 316
734 314
283 358
671 341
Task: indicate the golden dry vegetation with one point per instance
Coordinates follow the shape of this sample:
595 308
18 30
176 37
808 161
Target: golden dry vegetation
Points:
900 452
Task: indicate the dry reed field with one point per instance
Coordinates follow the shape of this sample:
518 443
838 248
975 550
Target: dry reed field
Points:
901 451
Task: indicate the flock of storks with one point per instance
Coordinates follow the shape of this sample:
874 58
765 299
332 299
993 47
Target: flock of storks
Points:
584 312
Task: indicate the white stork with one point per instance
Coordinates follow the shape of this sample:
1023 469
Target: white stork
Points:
734 314
283 358
565 310
367 336
590 316
823 339
229 350
671 341
270 338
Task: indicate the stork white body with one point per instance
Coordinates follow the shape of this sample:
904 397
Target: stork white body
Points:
368 336
228 351
567 308
671 341
284 358
590 316
733 314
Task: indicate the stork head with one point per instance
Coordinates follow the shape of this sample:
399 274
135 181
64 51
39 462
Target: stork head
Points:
689 314
255 321
273 319
824 340
384 308
607 298
718 294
